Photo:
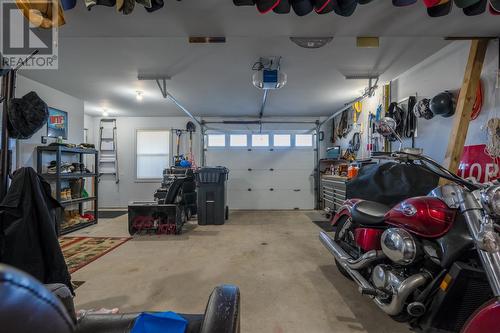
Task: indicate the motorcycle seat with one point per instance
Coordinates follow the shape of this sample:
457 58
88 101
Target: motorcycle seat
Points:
369 213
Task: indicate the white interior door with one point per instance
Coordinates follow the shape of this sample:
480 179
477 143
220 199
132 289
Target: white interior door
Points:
267 178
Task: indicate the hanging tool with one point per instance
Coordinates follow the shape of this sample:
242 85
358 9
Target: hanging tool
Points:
358 107
191 128
478 103
108 157
178 157
370 131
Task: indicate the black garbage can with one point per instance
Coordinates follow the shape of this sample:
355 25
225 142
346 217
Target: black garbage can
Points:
211 184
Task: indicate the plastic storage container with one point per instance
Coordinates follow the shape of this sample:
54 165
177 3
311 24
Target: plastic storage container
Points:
212 195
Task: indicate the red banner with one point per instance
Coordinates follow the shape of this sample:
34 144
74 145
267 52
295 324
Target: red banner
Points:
476 163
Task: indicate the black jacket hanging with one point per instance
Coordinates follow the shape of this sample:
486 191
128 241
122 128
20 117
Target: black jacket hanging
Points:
28 229
410 122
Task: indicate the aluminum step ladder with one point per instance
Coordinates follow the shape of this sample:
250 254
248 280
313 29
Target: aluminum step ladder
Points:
108 157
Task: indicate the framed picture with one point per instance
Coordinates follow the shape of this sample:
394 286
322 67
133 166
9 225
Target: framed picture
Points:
57 125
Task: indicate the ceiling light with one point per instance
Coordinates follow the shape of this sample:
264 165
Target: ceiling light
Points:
139 96
206 40
105 113
367 42
311 42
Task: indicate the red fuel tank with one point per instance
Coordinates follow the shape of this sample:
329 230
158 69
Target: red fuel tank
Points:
425 216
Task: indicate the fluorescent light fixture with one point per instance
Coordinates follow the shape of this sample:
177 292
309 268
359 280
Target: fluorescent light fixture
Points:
139 96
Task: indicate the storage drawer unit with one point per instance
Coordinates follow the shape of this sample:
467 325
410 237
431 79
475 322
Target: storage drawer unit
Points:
333 192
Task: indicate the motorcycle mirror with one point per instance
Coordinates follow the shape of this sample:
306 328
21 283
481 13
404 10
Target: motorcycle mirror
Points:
387 127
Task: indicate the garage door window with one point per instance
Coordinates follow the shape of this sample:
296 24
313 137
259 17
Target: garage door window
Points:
152 153
238 140
282 140
303 140
260 140
216 140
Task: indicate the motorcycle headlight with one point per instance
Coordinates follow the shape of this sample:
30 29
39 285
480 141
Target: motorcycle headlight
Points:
491 200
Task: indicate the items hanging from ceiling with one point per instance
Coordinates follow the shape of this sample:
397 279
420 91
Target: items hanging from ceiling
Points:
435 8
46 15
50 13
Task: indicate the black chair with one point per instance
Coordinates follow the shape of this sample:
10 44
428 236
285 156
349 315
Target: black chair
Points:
28 306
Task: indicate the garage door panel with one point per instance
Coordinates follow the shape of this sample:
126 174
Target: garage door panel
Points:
265 199
290 179
298 159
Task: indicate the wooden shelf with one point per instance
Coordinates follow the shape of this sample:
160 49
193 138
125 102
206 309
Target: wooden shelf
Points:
74 175
63 149
334 160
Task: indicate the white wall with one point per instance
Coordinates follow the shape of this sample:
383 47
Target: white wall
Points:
25 151
129 189
369 105
90 126
442 71
445 71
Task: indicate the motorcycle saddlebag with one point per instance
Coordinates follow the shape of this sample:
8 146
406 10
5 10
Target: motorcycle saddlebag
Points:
390 183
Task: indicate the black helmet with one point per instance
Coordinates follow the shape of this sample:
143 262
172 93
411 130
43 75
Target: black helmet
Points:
422 110
443 104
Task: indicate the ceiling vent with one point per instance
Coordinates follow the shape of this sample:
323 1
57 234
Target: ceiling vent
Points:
311 42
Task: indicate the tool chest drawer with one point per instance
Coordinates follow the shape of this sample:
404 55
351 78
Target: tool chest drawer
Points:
333 192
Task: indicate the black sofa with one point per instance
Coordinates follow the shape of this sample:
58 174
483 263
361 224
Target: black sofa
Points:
28 306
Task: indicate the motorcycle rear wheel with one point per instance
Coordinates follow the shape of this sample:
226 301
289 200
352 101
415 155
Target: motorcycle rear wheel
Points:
342 239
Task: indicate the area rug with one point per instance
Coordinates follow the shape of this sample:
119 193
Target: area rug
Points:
320 220
81 251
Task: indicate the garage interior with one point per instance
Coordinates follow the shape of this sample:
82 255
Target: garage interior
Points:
208 144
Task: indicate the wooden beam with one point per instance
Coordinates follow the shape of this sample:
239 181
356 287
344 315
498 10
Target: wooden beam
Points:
462 38
465 103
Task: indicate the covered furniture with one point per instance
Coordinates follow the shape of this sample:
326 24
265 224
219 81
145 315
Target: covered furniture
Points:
28 306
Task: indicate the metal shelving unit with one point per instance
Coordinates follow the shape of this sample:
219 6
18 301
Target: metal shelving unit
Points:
58 177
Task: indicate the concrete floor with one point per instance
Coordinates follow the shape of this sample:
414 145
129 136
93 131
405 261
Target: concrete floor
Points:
288 281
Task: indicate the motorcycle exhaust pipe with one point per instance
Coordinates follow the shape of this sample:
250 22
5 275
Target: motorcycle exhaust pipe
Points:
343 259
399 298
362 262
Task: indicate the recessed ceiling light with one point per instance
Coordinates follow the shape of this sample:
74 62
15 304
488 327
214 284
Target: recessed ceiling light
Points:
311 42
105 113
139 96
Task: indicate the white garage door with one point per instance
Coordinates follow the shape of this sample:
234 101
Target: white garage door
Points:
267 177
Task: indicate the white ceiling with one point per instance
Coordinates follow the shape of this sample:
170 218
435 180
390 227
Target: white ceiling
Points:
102 52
